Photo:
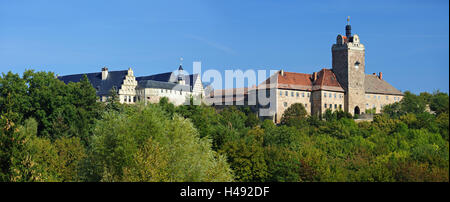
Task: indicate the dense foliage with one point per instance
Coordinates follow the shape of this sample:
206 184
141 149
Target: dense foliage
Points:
50 131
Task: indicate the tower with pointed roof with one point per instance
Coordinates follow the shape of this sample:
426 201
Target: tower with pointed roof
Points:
348 64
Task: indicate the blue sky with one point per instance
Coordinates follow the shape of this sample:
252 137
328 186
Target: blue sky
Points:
406 40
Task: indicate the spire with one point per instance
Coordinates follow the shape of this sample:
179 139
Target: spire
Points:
180 72
348 28
181 65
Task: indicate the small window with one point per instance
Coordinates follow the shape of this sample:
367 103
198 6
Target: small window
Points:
292 94
334 95
325 105
335 106
308 94
325 95
285 104
281 93
306 105
303 94
387 97
357 65
286 94
340 106
298 94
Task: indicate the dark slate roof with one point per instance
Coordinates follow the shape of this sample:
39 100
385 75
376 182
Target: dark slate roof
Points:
168 77
373 84
162 85
115 78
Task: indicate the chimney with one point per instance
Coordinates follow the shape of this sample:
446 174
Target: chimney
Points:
380 76
104 73
314 76
282 72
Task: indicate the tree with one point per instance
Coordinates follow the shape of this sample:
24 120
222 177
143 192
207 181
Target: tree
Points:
113 102
295 115
246 156
144 142
283 164
439 103
412 103
13 97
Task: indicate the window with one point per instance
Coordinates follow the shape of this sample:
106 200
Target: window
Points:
281 93
325 94
286 94
161 90
387 98
308 94
285 104
357 64
378 97
340 106
306 105
329 94
335 95
303 94
298 94
335 106
325 105
367 105
292 94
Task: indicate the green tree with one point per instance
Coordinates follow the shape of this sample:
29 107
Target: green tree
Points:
14 101
295 115
246 156
123 144
439 102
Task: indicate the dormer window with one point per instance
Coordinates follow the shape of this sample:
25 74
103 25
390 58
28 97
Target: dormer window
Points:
357 65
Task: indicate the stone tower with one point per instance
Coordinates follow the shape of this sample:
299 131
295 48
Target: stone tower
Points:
349 67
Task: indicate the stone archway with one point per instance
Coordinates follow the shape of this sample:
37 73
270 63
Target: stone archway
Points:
357 111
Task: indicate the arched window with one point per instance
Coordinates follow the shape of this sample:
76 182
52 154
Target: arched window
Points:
357 64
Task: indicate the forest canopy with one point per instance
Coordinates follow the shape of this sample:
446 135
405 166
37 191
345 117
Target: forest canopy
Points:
52 131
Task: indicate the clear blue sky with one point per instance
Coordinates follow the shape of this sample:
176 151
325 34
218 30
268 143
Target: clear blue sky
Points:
406 40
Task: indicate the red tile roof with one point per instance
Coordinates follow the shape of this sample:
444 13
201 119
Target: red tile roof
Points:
326 80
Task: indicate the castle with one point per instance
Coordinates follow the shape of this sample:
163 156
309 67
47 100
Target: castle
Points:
177 86
345 86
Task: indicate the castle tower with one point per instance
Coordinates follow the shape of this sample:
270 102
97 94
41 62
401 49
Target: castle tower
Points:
349 67
180 76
